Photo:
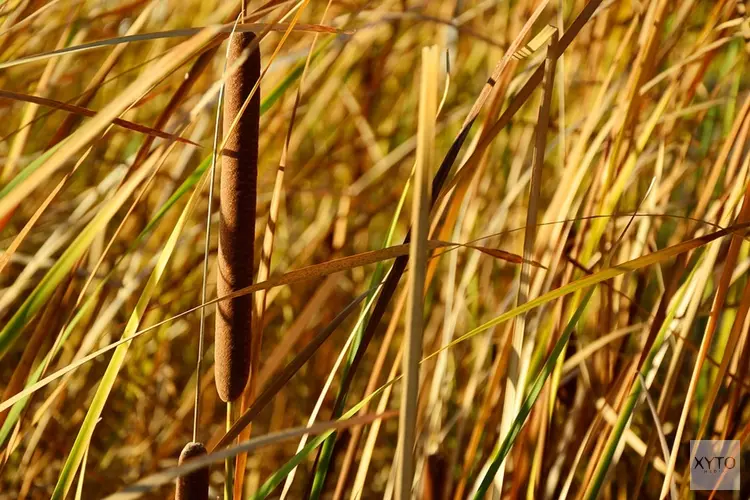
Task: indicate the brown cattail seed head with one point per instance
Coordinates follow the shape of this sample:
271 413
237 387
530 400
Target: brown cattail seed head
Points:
193 486
239 176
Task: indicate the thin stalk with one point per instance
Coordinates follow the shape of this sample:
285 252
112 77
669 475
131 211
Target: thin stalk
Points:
206 248
418 254
229 462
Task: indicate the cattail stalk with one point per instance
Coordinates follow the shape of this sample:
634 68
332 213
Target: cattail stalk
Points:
237 225
192 486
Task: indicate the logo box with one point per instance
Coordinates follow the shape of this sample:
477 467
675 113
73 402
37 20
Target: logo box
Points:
714 465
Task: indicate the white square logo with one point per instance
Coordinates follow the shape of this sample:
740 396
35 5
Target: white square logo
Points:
714 465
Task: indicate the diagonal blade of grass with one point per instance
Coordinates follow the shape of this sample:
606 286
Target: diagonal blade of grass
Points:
153 481
273 482
82 111
603 275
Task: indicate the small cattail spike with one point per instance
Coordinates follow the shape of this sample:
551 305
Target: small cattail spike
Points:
192 486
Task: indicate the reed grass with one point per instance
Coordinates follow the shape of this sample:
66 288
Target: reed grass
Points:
418 256
520 273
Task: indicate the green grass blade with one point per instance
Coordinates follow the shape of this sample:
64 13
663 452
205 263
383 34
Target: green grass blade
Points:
29 169
528 404
635 393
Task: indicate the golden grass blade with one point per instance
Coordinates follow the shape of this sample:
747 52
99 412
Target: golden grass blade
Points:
501 65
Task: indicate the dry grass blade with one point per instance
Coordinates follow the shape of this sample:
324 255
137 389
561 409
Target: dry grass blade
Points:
428 96
79 110
518 363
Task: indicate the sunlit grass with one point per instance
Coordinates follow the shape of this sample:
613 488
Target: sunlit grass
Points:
579 242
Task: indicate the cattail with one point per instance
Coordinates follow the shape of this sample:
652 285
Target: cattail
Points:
239 175
192 486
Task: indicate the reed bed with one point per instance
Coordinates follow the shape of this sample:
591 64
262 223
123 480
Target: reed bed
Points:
458 249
